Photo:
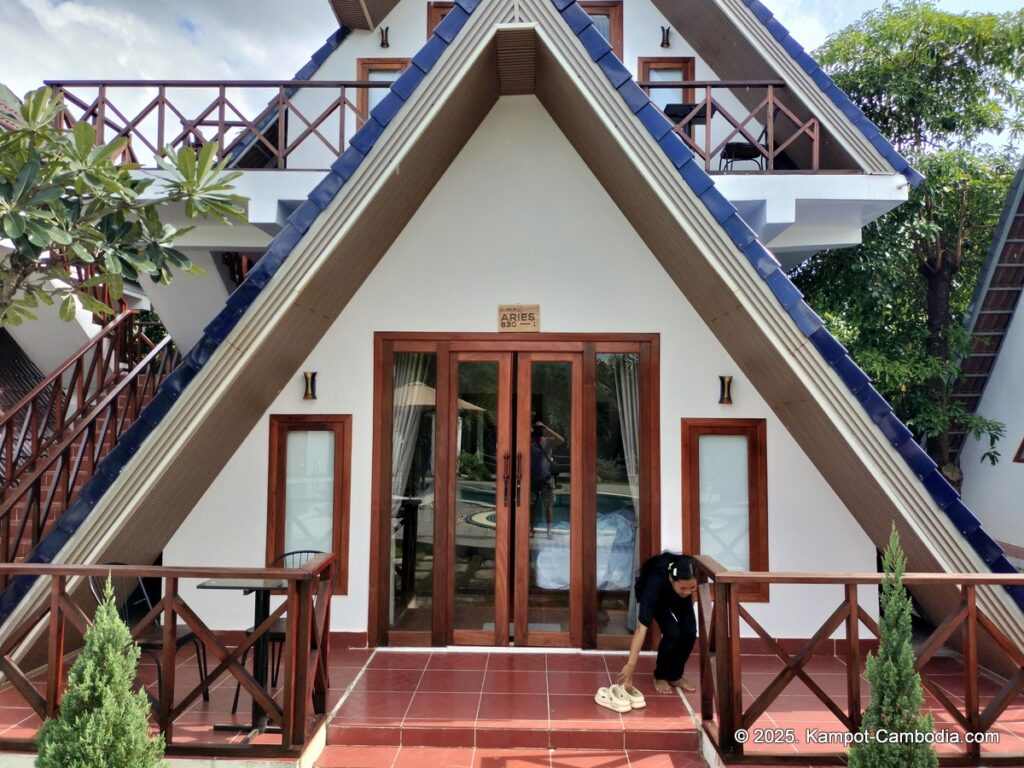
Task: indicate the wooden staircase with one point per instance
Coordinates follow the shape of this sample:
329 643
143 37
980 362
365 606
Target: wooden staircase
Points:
53 440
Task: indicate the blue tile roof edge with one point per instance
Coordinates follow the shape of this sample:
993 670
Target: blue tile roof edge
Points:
305 72
790 298
899 163
243 297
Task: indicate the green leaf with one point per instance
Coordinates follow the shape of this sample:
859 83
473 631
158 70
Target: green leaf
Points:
14 225
45 195
85 138
68 308
25 177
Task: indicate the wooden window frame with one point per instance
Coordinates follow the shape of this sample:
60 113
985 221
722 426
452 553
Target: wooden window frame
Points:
435 14
613 10
341 426
646 64
1019 458
755 430
363 68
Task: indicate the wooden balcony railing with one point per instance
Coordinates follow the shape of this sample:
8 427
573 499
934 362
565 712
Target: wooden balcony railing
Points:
298 707
256 123
769 136
724 714
68 424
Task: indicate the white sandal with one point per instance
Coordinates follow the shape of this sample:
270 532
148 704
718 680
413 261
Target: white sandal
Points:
606 699
632 695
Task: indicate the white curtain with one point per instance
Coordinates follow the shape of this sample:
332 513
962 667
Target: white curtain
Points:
627 396
410 370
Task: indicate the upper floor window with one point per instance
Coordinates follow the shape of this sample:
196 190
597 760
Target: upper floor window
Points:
725 495
435 13
308 493
667 69
376 70
607 17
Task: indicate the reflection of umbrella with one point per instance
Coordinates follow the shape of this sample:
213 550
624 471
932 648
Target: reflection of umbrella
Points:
423 395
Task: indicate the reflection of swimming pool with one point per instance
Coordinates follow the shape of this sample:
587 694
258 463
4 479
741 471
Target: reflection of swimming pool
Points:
607 503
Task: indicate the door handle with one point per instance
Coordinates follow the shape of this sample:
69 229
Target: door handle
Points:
506 478
519 474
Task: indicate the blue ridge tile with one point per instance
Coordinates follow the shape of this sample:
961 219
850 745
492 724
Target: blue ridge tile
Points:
737 229
920 463
594 42
613 69
468 5
821 79
285 240
175 384
201 352
452 24
75 515
718 205
807 64
157 408
876 406
387 108
962 517
760 11
349 161
695 177
429 54
787 293
761 258
48 548
940 489
676 151
827 344
324 192
93 490
983 544
633 95
307 71
807 319
12 596
367 136
776 29
132 438
561 5
1017 593
1002 565
793 48
222 325
302 218
895 431
244 295
407 82
853 377
576 18
835 93
654 121
855 114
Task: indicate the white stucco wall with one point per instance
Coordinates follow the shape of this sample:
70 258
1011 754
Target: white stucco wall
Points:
994 493
519 218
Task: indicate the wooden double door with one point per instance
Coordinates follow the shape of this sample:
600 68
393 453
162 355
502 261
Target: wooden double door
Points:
509 524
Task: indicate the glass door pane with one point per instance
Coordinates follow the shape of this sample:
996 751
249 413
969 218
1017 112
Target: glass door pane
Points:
724 500
482 481
309 492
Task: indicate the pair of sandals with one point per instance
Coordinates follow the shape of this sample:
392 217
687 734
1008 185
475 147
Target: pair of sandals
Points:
619 698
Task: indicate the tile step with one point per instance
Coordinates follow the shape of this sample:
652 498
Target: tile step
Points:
422 757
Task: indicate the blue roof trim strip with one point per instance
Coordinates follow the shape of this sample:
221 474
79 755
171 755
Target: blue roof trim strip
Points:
803 59
243 297
305 72
810 325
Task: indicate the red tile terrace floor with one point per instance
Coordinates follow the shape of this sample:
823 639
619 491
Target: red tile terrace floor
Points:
504 710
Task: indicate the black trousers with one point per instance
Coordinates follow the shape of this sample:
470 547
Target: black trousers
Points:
678 634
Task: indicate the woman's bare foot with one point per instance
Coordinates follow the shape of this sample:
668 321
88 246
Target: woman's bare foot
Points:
684 684
662 686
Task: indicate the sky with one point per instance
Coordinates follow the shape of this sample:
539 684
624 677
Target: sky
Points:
251 39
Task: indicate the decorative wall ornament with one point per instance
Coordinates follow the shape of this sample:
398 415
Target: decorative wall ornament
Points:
310 393
664 36
725 390
384 37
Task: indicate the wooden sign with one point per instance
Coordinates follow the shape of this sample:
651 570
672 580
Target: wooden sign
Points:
518 318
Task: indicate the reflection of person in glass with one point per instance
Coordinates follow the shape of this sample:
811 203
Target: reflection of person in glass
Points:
543 469
664 593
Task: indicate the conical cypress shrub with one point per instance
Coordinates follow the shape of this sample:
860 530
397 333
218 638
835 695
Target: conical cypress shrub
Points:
896 698
102 722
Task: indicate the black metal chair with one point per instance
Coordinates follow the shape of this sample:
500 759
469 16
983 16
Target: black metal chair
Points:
744 152
133 605
277 633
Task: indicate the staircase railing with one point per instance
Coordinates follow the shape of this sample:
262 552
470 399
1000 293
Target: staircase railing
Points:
49 485
58 402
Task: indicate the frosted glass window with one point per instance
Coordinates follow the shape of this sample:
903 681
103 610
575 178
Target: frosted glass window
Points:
724 500
663 96
376 95
309 494
603 24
